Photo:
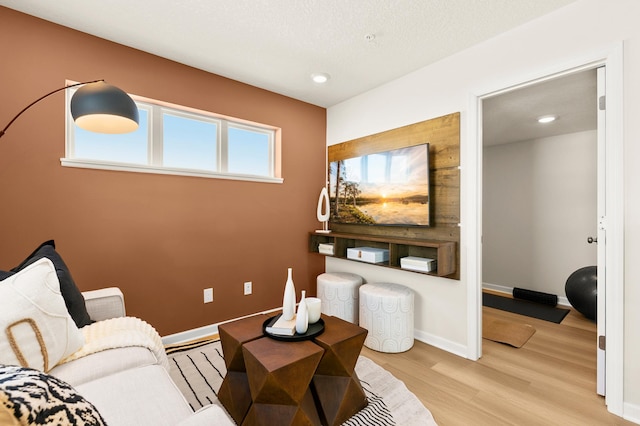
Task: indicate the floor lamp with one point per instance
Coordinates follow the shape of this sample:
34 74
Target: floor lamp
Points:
97 107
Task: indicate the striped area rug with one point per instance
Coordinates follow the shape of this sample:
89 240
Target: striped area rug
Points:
198 369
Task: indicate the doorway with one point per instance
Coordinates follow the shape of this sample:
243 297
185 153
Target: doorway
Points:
539 184
611 58
541 188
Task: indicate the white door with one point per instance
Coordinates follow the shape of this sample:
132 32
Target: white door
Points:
602 238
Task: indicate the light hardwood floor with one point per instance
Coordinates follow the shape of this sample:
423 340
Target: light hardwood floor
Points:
551 380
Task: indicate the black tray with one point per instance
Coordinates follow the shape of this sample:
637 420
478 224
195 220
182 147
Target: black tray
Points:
313 331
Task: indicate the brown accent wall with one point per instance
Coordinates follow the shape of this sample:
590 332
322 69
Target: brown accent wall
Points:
161 239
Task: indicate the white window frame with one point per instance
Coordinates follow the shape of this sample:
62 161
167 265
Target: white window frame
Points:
155 143
156 149
225 129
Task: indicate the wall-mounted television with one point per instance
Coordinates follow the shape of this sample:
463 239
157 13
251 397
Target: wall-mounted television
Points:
383 188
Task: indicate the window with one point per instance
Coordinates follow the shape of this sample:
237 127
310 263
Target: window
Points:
189 143
249 151
129 148
178 140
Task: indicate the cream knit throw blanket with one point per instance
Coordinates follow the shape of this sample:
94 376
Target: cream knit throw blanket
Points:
120 332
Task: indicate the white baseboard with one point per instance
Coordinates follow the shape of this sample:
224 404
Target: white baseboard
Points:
193 334
631 412
509 290
496 287
440 343
207 330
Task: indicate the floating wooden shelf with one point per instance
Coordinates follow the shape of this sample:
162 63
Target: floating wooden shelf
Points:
443 251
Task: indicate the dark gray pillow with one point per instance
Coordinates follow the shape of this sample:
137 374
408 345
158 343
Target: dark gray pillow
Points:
73 298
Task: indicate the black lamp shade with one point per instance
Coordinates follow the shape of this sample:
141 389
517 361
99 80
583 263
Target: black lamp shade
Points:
101 107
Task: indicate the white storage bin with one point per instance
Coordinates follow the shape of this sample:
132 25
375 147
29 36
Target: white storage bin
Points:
368 254
325 248
420 264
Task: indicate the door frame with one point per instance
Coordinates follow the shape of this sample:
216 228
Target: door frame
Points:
601 231
471 207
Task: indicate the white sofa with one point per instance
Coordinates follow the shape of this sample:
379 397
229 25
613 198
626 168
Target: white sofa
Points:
130 385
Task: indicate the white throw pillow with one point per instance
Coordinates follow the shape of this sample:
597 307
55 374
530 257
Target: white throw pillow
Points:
36 329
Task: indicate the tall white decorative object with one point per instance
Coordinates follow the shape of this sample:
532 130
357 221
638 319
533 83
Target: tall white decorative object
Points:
289 298
302 317
323 204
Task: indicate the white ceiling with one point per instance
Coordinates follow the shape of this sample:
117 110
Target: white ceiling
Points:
277 44
512 116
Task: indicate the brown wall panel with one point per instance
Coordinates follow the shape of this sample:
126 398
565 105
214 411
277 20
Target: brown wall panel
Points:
443 136
162 239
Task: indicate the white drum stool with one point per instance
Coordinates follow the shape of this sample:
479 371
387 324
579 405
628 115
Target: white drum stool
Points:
338 292
386 311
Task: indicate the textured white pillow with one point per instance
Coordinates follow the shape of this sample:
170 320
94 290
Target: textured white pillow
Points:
36 329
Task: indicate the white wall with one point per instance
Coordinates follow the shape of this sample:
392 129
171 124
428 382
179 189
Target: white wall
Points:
435 322
562 37
539 207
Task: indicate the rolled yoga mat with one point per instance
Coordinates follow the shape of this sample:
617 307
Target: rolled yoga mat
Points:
535 296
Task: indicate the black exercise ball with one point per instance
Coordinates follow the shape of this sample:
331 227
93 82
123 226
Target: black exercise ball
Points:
582 291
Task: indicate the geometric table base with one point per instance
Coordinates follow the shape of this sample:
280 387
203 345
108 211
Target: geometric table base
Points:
234 394
279 374
342 396
311 382
274 414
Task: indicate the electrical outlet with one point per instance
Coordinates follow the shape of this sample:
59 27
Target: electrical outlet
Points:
208 295
248 288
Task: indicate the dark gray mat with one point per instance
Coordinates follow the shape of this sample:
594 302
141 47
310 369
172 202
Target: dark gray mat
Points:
525 307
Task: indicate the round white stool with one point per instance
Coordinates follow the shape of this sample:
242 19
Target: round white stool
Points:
338 292
386 311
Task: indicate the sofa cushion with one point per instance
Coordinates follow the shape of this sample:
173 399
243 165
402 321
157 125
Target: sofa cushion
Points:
72 296
139 396
30 397
103 363
212 414
35 328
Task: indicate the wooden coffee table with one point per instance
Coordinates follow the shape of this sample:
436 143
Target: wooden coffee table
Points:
336 386
234 392
279 375
272 382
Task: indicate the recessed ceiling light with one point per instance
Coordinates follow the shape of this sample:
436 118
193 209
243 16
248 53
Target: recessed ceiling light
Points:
320 77
547 118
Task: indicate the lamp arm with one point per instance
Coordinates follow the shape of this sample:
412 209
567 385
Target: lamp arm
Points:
3 131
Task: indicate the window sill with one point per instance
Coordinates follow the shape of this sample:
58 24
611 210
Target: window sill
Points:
94 164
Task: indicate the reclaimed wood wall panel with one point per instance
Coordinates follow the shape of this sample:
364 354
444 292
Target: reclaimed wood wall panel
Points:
443 136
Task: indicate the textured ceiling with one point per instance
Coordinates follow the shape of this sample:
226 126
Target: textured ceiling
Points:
512 116
277 44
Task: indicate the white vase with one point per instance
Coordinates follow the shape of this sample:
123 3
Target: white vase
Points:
289 298
324 211
302 317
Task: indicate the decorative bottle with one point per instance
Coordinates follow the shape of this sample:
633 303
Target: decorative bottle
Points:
289 298
302 318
